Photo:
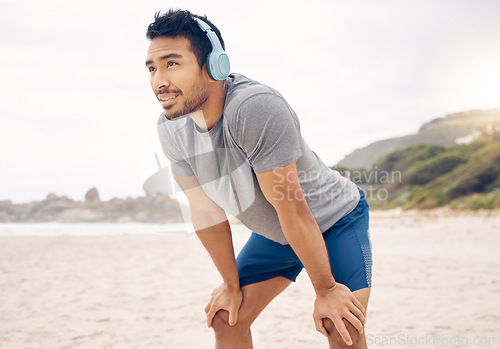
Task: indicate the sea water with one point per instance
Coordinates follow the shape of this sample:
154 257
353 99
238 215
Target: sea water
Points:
89 229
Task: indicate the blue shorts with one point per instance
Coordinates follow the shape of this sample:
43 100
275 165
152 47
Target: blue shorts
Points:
347 242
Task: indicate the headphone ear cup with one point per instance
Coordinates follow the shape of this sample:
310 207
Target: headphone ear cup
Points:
217 61
218 66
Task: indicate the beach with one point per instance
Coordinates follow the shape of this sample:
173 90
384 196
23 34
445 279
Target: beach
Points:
436 284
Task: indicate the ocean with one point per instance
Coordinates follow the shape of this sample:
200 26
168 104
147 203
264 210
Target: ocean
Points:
90 229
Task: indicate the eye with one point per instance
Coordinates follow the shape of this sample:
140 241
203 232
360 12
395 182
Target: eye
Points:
171 64
151 69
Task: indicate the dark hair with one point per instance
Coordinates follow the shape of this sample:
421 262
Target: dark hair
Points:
181 23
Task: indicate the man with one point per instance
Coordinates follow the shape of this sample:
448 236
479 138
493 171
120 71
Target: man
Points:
235 146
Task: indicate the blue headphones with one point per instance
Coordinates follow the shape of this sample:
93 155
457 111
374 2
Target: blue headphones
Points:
217 60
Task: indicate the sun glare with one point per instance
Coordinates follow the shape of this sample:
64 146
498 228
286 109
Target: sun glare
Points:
484 88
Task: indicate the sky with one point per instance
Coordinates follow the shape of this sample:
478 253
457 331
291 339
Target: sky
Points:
77 111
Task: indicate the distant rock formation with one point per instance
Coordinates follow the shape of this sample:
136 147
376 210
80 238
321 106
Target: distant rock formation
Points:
92 196
157 209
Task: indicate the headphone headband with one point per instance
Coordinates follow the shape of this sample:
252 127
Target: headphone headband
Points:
217 61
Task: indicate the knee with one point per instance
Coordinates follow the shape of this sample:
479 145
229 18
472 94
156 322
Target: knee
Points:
334 337
330 327
220 324
220 321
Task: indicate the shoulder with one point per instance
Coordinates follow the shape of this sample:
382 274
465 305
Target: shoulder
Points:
242 91
248 98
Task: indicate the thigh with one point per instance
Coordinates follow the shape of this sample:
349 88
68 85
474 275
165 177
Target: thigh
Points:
359 340
349 249
363 296
262 259
256 297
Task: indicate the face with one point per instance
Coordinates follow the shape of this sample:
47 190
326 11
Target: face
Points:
176 78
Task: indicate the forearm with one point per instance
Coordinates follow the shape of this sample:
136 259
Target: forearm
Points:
211 226
217 240
304 236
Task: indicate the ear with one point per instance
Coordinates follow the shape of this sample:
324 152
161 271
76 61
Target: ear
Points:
206 76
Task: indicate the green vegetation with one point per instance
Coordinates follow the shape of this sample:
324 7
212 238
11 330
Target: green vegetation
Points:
401 160
465 176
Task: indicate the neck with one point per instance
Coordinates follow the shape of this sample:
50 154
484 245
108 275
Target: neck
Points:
213 107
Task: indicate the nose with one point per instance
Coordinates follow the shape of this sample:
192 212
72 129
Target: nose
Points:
159 81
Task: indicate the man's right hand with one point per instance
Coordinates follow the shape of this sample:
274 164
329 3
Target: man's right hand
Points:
227 298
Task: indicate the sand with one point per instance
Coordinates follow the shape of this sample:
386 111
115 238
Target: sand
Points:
436 285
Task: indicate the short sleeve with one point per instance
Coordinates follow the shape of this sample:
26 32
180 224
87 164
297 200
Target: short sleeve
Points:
268 131
179 165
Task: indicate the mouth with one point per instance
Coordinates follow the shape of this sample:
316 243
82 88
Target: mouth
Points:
166 99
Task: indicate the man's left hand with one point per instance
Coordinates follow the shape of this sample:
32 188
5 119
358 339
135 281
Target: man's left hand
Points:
339 303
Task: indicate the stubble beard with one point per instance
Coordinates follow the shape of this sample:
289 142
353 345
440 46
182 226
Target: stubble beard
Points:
199 96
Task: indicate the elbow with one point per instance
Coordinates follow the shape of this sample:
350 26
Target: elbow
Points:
203 216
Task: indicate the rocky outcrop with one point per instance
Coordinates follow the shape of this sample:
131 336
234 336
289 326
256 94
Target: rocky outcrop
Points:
92 196
158 209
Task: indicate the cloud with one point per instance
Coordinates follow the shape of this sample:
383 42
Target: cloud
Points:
76 103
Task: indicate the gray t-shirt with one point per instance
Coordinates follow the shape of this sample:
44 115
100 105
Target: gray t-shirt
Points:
257 132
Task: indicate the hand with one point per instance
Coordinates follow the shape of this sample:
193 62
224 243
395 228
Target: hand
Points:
224 297
339 303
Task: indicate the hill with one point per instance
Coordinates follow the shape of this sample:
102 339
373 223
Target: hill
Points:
462 176
444 131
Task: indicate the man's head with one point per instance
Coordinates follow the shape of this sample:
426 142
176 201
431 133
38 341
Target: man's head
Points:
176 62
180 23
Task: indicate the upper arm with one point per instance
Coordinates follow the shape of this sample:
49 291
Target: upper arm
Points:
281 187
268 131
